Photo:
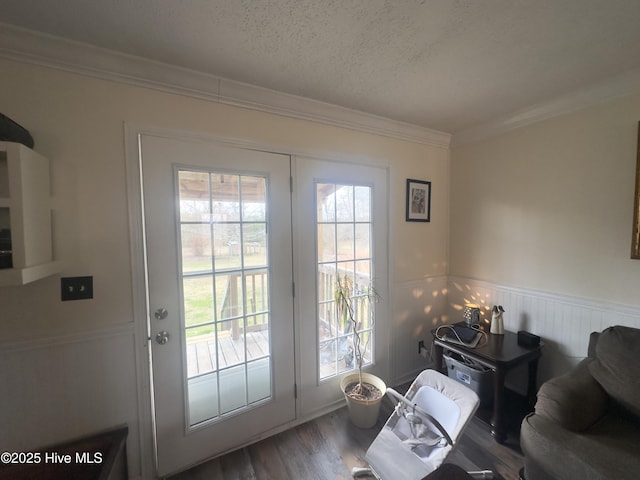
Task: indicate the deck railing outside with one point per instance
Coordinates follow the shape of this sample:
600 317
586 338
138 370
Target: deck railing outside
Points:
335 334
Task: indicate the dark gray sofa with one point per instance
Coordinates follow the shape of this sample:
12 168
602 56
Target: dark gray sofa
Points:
586 423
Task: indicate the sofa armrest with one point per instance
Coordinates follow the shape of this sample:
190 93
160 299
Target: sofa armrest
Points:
574 400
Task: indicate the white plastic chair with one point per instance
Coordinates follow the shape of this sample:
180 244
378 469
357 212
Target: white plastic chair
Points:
423 430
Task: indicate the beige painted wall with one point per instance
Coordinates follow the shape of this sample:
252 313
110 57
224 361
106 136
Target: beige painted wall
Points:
549 207
48 348
77 122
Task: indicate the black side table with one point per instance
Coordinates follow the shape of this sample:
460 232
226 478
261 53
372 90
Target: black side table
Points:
500 353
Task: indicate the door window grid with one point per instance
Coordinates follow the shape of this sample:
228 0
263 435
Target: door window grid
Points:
344 247
225 294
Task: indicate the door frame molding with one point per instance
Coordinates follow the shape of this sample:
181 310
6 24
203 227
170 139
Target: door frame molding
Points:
142 337
142 334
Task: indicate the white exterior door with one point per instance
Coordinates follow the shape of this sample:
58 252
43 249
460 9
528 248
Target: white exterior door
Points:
218 245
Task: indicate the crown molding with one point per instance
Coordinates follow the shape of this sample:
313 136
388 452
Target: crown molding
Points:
626 84
28 46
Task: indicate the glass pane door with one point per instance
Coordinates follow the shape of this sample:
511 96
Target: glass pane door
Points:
225 291
219 274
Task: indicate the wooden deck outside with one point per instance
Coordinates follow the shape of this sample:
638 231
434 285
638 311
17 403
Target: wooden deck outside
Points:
201 351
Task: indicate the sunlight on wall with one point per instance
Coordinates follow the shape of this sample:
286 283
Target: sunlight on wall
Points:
421 294
482 300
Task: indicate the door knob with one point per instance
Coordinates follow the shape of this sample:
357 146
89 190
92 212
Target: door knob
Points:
161 313
162 337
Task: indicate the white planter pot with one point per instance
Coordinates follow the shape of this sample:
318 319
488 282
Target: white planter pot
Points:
363 413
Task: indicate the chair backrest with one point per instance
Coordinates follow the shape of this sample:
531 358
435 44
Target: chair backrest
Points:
465 399
449 402
441 407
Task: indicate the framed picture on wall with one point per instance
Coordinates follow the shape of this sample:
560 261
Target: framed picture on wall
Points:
635 244
418 201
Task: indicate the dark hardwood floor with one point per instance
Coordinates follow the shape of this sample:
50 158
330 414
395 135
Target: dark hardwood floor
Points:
328 447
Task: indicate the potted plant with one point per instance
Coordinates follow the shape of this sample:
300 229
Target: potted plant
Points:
362 391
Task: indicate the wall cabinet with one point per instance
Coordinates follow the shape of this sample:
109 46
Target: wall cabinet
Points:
26 253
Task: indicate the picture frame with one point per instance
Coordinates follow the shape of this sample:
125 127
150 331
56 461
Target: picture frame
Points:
418 206
635 240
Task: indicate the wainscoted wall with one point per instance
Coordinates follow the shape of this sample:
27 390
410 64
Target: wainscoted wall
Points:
71 386
63 381
563 322
418 307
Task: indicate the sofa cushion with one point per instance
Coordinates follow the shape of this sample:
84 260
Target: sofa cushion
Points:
608 450
617 365
574 400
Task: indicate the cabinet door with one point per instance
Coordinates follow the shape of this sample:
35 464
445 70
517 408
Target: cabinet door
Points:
25 215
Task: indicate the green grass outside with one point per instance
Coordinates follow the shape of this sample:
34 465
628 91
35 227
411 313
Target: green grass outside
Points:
198 299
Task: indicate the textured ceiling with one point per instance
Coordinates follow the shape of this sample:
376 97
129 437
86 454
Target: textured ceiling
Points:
441 64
